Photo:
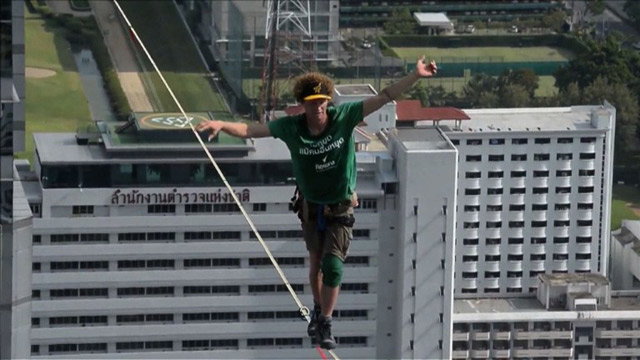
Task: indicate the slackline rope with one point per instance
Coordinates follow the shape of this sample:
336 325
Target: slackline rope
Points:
304 311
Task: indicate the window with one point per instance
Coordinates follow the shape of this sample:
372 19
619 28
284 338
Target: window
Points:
540 157
560 240
493 241
519 157
516 224
259 207
520 141
583 239
587 140
541 173
516 241
562 206
540 190
472 191
563 173
564 157
585 189
587 156
561 223
585 206
518 190
64 238
471 225
515 257
197 208
198 235
538 207
226 208
493 191
537 257
514 274
82 210
542 140
469 275
495 174
586 173
496 157
494 224
514 207
560 256
496 141
493 207
161 209
371 204
583 256
470 241
474 158
472 175
132 237
469 258
491 274
585 222
474 142
565 140
472 208
538 240
563 190
518 174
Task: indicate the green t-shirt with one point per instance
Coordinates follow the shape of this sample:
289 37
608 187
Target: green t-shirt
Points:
324 165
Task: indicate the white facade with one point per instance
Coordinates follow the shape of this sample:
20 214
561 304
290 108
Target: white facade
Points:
625 256
534 196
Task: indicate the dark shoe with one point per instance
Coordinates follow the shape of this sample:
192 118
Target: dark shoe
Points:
313 324
323 334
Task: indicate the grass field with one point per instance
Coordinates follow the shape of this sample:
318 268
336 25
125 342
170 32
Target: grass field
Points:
540 53
167 40
625 205
56 103
546 84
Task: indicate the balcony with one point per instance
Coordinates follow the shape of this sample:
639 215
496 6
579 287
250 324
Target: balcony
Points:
494 199
515 232
610 334
584 265
469 233
501 335
484 354
538 215
618 351
470 266
586 181
560 265
492 249
518 182
560 248
587 165
480 335
471 216
500 353
470 250
561 214
517 199
585 198
562 231
471 183
536 265
537 248
472 199
583 248
493 233
493 215
460 336
514 265
542 334
493 183
588 147
538 232
583 231
563 181
492 283
515 249
513 282
492 266
563 164
539 198
533 352
585 214
469 283
539 182
460 354
562 198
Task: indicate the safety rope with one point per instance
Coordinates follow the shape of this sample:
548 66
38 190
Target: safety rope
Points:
304 311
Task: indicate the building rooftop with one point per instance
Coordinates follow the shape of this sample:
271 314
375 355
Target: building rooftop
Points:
424 138
563 279
355 89
528 119
530 304
432 19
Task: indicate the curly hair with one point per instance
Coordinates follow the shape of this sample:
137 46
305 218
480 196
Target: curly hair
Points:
307 81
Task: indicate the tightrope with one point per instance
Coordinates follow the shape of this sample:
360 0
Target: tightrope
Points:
304 311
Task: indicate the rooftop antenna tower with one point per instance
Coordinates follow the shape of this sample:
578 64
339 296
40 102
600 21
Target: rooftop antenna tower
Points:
287 42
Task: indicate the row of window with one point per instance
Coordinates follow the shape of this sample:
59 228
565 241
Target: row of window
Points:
188 236
520 240
521 224
187 290
102 320
524 141
536 157
522 207
535 190
532 289
520 257
523 173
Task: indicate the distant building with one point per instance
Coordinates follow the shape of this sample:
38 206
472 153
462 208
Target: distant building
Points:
574 316
434 23
625 256
15 217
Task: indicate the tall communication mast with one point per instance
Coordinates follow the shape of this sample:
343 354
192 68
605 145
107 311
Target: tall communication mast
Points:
287 42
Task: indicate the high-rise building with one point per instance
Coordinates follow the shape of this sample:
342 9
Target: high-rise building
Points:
15 217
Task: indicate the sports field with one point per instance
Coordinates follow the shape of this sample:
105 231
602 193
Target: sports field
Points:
625 205
483 54
167 40
54 103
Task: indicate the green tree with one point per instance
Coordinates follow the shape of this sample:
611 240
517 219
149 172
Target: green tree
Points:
632 8
513 96
595 7
476 91
526 78
400 22
554 20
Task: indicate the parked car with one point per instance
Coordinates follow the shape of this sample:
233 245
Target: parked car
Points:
513 29
469 29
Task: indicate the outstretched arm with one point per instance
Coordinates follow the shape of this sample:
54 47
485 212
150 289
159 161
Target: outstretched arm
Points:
241 130
395 90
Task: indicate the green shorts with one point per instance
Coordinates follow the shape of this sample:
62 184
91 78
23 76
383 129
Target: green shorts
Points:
336 238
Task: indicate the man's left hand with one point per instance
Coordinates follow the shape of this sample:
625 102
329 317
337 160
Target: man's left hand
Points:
426 70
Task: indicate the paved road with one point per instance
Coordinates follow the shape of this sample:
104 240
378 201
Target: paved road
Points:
122 56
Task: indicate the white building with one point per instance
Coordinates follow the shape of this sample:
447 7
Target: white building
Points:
625 256
15 218
534 196
574 316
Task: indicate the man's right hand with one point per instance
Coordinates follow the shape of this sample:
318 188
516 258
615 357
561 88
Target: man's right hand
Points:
210 125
